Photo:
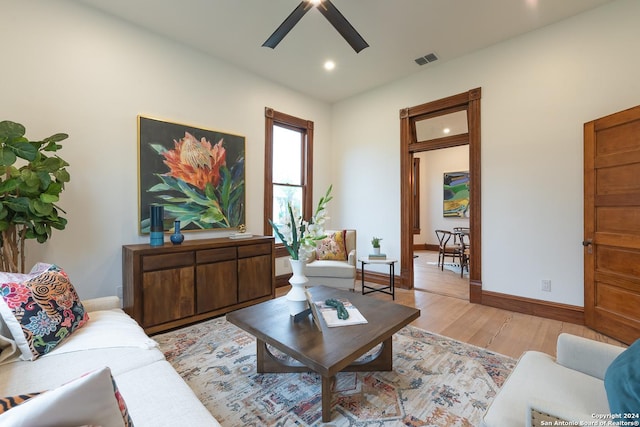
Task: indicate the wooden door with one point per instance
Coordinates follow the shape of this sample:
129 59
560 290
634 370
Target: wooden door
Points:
612 225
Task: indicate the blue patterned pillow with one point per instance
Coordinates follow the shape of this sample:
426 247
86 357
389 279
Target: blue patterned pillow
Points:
41 311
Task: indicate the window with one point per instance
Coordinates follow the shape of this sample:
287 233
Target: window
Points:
288 169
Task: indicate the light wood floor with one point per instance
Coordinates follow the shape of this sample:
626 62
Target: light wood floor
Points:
495 329
428 277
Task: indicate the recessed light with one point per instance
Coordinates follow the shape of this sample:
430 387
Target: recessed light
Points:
446 130
329 65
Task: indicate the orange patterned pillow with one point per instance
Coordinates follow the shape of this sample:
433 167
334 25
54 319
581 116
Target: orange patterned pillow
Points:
333 247
41 311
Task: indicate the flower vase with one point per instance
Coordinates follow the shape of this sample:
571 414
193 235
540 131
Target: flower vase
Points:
296 297
177 237
376 251
156 227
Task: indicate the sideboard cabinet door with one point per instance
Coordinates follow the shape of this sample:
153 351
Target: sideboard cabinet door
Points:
167 287
217 278
255 276
168 295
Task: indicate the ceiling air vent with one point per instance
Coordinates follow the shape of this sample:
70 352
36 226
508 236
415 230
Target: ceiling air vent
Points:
430 57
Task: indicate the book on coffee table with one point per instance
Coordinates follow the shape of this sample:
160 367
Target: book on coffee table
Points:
330 314
315 312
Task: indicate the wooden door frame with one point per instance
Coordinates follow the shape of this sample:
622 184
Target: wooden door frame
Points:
469 101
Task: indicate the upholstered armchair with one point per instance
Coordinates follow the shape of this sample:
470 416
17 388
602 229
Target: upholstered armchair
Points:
570 389
334 262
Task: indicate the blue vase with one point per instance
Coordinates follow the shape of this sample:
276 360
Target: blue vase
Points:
156 228
177 237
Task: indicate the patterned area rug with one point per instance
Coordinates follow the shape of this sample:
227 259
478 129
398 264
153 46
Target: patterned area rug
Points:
436 381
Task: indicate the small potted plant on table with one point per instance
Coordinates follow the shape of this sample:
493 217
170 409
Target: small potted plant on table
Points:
375 242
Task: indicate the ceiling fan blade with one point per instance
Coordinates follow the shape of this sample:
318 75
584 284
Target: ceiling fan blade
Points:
287 25
343 26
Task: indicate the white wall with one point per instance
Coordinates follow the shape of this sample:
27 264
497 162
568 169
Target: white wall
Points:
433 165
537 92
67 68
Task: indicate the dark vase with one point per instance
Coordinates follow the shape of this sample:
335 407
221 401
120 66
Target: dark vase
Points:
156 228
177 237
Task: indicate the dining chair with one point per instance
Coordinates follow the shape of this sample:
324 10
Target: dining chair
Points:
459 233
465 250
447 247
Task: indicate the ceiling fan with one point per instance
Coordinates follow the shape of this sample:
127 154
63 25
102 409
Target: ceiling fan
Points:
330 12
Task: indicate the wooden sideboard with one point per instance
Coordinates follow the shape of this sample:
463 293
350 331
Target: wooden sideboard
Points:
173 285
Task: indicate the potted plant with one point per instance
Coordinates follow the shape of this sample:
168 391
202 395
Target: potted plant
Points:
31 180
375 242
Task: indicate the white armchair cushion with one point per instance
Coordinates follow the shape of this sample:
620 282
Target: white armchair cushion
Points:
328 268
539 381
585 355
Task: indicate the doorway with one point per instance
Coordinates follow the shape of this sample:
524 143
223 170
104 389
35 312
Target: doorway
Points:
441 198
411 142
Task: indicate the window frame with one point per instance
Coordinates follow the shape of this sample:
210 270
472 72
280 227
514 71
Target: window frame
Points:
273 117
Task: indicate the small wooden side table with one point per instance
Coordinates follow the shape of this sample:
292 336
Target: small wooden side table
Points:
389 290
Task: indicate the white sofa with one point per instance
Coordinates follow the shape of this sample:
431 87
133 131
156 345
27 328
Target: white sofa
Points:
569 388
154 393
335 274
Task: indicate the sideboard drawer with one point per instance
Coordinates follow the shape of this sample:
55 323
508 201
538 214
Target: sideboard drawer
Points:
159 262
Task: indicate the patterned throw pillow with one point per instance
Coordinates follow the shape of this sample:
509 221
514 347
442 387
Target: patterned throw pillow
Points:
7 403
92 399
333 247
41 311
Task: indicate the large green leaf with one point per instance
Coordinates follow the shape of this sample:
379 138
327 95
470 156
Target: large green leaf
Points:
225 189
213 216
56 137
8 185
54 188
11 129
24 150
49 198
30 182
7 157
40 228
60 224
17 204
52 164
45 180
62 175
160 187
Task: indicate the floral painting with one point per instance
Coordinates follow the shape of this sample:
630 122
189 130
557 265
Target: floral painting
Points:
196 174
456 194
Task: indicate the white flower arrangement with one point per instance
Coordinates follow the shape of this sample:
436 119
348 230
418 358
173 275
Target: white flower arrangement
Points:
300 236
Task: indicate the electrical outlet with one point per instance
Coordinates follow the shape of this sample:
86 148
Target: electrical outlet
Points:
546 285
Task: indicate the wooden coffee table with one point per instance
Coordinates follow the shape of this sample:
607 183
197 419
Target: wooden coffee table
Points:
330 351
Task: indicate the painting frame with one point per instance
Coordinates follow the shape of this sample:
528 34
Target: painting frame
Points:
455 198
196 173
